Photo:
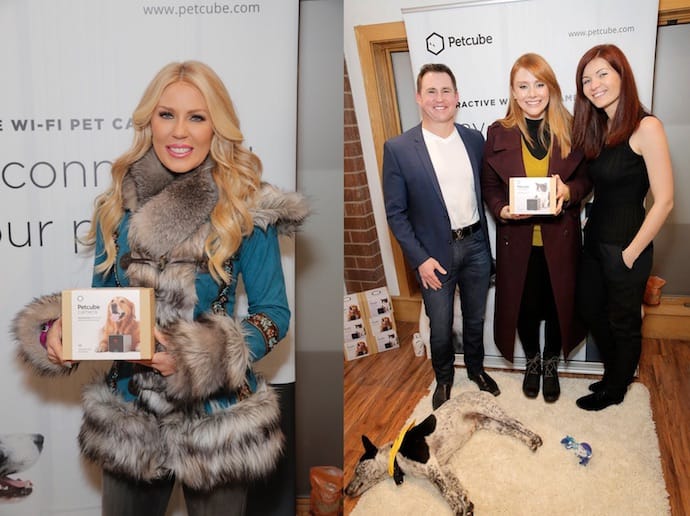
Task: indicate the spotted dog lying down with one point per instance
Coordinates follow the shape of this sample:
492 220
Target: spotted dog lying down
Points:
427 448
18 452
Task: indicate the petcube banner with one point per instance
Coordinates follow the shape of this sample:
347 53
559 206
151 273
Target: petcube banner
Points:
73 72
480 41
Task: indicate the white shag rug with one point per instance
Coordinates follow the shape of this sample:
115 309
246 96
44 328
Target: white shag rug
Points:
503 477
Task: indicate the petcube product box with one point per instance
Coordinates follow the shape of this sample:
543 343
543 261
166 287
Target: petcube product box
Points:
533 195
369 323
108 323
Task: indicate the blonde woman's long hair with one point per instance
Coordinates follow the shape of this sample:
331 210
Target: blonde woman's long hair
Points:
236 171
557 118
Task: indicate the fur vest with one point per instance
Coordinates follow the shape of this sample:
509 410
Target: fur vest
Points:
170 428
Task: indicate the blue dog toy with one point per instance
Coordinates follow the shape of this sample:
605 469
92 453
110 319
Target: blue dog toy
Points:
582 450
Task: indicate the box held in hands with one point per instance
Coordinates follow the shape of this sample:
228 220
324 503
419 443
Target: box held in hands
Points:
108 323
533 195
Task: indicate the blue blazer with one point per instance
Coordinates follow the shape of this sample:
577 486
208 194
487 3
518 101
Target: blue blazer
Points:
415 209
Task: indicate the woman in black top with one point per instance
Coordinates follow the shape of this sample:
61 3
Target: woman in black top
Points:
628 155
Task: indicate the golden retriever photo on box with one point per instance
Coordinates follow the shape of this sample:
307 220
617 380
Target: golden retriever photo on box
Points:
121 330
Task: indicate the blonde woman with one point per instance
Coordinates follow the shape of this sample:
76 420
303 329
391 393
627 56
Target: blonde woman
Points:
186 214
536 256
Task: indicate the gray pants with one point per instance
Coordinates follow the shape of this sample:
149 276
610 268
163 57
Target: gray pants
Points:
123 497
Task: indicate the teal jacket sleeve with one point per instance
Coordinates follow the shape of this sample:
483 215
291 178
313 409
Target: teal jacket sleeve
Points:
262 274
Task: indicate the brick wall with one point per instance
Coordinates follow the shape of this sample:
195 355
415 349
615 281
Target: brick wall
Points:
362 255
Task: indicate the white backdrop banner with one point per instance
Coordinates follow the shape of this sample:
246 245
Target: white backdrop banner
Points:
73 71
480 40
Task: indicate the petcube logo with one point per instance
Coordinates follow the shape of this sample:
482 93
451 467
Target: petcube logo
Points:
435 43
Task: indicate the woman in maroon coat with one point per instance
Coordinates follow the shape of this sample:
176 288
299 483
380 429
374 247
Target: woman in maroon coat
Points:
536 255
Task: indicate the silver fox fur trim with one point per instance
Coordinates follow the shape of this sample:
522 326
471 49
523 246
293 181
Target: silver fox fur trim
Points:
286 210
150 387
174 213
147 178
209 353
119 436
240 443
26 328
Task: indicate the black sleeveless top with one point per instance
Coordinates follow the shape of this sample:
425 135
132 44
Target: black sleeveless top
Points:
620 187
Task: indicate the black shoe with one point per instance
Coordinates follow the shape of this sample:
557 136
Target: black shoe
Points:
551 387
530 384
485 383
599 400
597 386
441 395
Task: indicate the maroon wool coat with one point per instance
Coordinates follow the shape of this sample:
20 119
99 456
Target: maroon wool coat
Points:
561 235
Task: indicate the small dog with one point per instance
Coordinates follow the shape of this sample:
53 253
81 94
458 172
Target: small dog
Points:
353 313
386 324
18 452
120 320
427 448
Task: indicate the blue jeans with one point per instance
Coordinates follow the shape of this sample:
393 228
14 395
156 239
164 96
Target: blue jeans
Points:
470 270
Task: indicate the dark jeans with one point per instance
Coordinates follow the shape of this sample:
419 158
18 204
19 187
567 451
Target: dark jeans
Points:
538 305
122 497
609 300
470 271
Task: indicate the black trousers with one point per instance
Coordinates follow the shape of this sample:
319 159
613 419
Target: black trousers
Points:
538 305
609 301
122 497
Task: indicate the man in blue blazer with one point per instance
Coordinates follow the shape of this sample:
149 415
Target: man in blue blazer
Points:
431 186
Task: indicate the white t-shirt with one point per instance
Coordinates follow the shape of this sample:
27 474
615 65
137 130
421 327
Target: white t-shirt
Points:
454 172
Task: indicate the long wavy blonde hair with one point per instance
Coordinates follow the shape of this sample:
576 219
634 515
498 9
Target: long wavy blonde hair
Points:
557 118
237 170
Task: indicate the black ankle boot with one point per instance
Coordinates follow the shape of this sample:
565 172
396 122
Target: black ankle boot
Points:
599 400
597 386
441 395
551 388
530 385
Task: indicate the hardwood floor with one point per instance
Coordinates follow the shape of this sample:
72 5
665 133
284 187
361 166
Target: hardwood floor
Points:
665 371
381 391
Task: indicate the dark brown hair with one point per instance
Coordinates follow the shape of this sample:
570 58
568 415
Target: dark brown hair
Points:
437 68
590 131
